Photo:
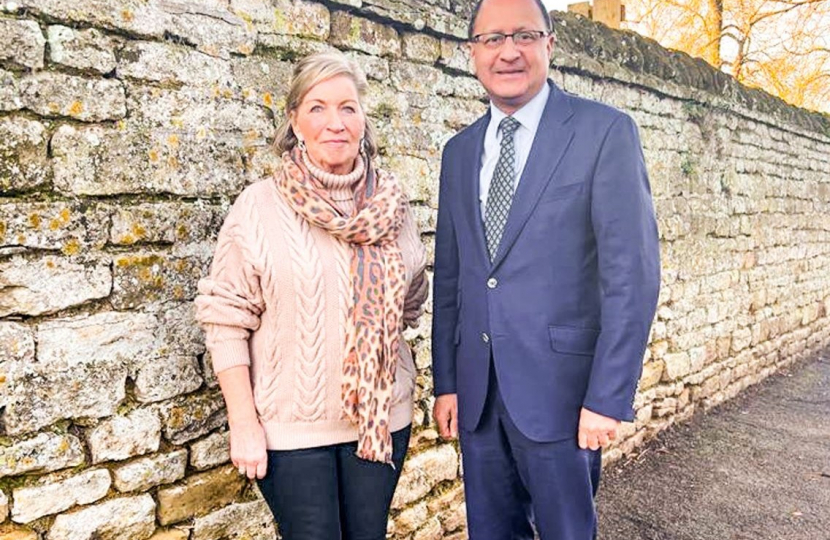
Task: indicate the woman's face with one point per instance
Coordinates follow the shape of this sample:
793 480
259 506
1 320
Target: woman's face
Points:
330 121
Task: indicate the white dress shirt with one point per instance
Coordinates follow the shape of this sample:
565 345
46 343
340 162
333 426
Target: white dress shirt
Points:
528 117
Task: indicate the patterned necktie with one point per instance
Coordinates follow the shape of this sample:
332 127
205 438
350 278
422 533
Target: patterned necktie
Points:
502 186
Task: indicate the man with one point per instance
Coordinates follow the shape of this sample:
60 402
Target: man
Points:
546 283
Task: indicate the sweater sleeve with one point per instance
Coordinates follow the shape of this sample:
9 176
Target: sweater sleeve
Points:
230 301
418 291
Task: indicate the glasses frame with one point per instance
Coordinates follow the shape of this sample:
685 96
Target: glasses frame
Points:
480 38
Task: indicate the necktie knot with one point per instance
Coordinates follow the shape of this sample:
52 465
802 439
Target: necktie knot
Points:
508 127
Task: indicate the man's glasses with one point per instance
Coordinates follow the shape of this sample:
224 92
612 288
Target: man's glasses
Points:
522 38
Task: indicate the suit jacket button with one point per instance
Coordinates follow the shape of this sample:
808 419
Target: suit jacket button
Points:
485 338
492 283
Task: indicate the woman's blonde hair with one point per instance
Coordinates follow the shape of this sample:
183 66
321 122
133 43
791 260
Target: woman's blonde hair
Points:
311 71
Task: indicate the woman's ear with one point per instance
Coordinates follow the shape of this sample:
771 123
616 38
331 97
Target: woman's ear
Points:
292 120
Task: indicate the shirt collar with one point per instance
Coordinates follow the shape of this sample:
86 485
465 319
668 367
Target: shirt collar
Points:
529 115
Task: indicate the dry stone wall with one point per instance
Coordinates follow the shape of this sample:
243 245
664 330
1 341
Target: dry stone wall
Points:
128 127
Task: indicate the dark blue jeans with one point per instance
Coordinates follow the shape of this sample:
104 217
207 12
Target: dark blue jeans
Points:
328 493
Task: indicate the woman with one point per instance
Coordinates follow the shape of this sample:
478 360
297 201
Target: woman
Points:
315 273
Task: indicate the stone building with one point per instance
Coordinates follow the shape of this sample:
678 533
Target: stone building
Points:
127 128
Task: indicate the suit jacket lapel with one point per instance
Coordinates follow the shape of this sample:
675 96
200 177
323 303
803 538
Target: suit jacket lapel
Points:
552 139
470 186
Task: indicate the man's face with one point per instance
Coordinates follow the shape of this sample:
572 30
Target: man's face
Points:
512 74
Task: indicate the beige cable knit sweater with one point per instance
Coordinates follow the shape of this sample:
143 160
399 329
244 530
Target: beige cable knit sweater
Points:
277 301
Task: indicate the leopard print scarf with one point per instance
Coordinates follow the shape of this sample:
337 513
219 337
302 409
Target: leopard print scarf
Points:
378 285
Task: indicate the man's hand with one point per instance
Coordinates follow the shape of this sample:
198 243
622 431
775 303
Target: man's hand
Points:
595 430
445 413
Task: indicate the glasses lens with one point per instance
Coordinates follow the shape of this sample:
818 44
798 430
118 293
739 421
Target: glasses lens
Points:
493 40
525 38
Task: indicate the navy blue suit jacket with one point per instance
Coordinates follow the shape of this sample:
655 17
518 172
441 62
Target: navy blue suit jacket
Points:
568 301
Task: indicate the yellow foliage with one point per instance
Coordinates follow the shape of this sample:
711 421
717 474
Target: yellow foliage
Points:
781 46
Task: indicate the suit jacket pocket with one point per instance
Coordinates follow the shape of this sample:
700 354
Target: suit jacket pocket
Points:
573 340
563 192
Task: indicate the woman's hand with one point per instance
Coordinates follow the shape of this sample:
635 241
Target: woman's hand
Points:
248 452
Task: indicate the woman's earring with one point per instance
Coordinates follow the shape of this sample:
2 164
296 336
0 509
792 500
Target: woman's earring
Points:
363 144
301 144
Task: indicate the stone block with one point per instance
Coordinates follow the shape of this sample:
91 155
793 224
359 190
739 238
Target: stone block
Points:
431 530
415 78
54 94
426 218
251 520
216 32
39 395
163 223
697 357
50 284
455 55
374 68
145 473
4 507
67 343
364 35
17 343
99 160
199 494
450 509
401 136
423 472
137 17
178 331
741 339
167 64
207 371
190 417
147 277
178 119
211 451
9 92
411 518
465 88
440 17
47 498
123 437
166 377
69 226
128 518
21 43
420 47
285 17
677 365
204 112
171 534
45 452
415 176
11 532
88 49
383 103
652 373
24 163
263 80
66 382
